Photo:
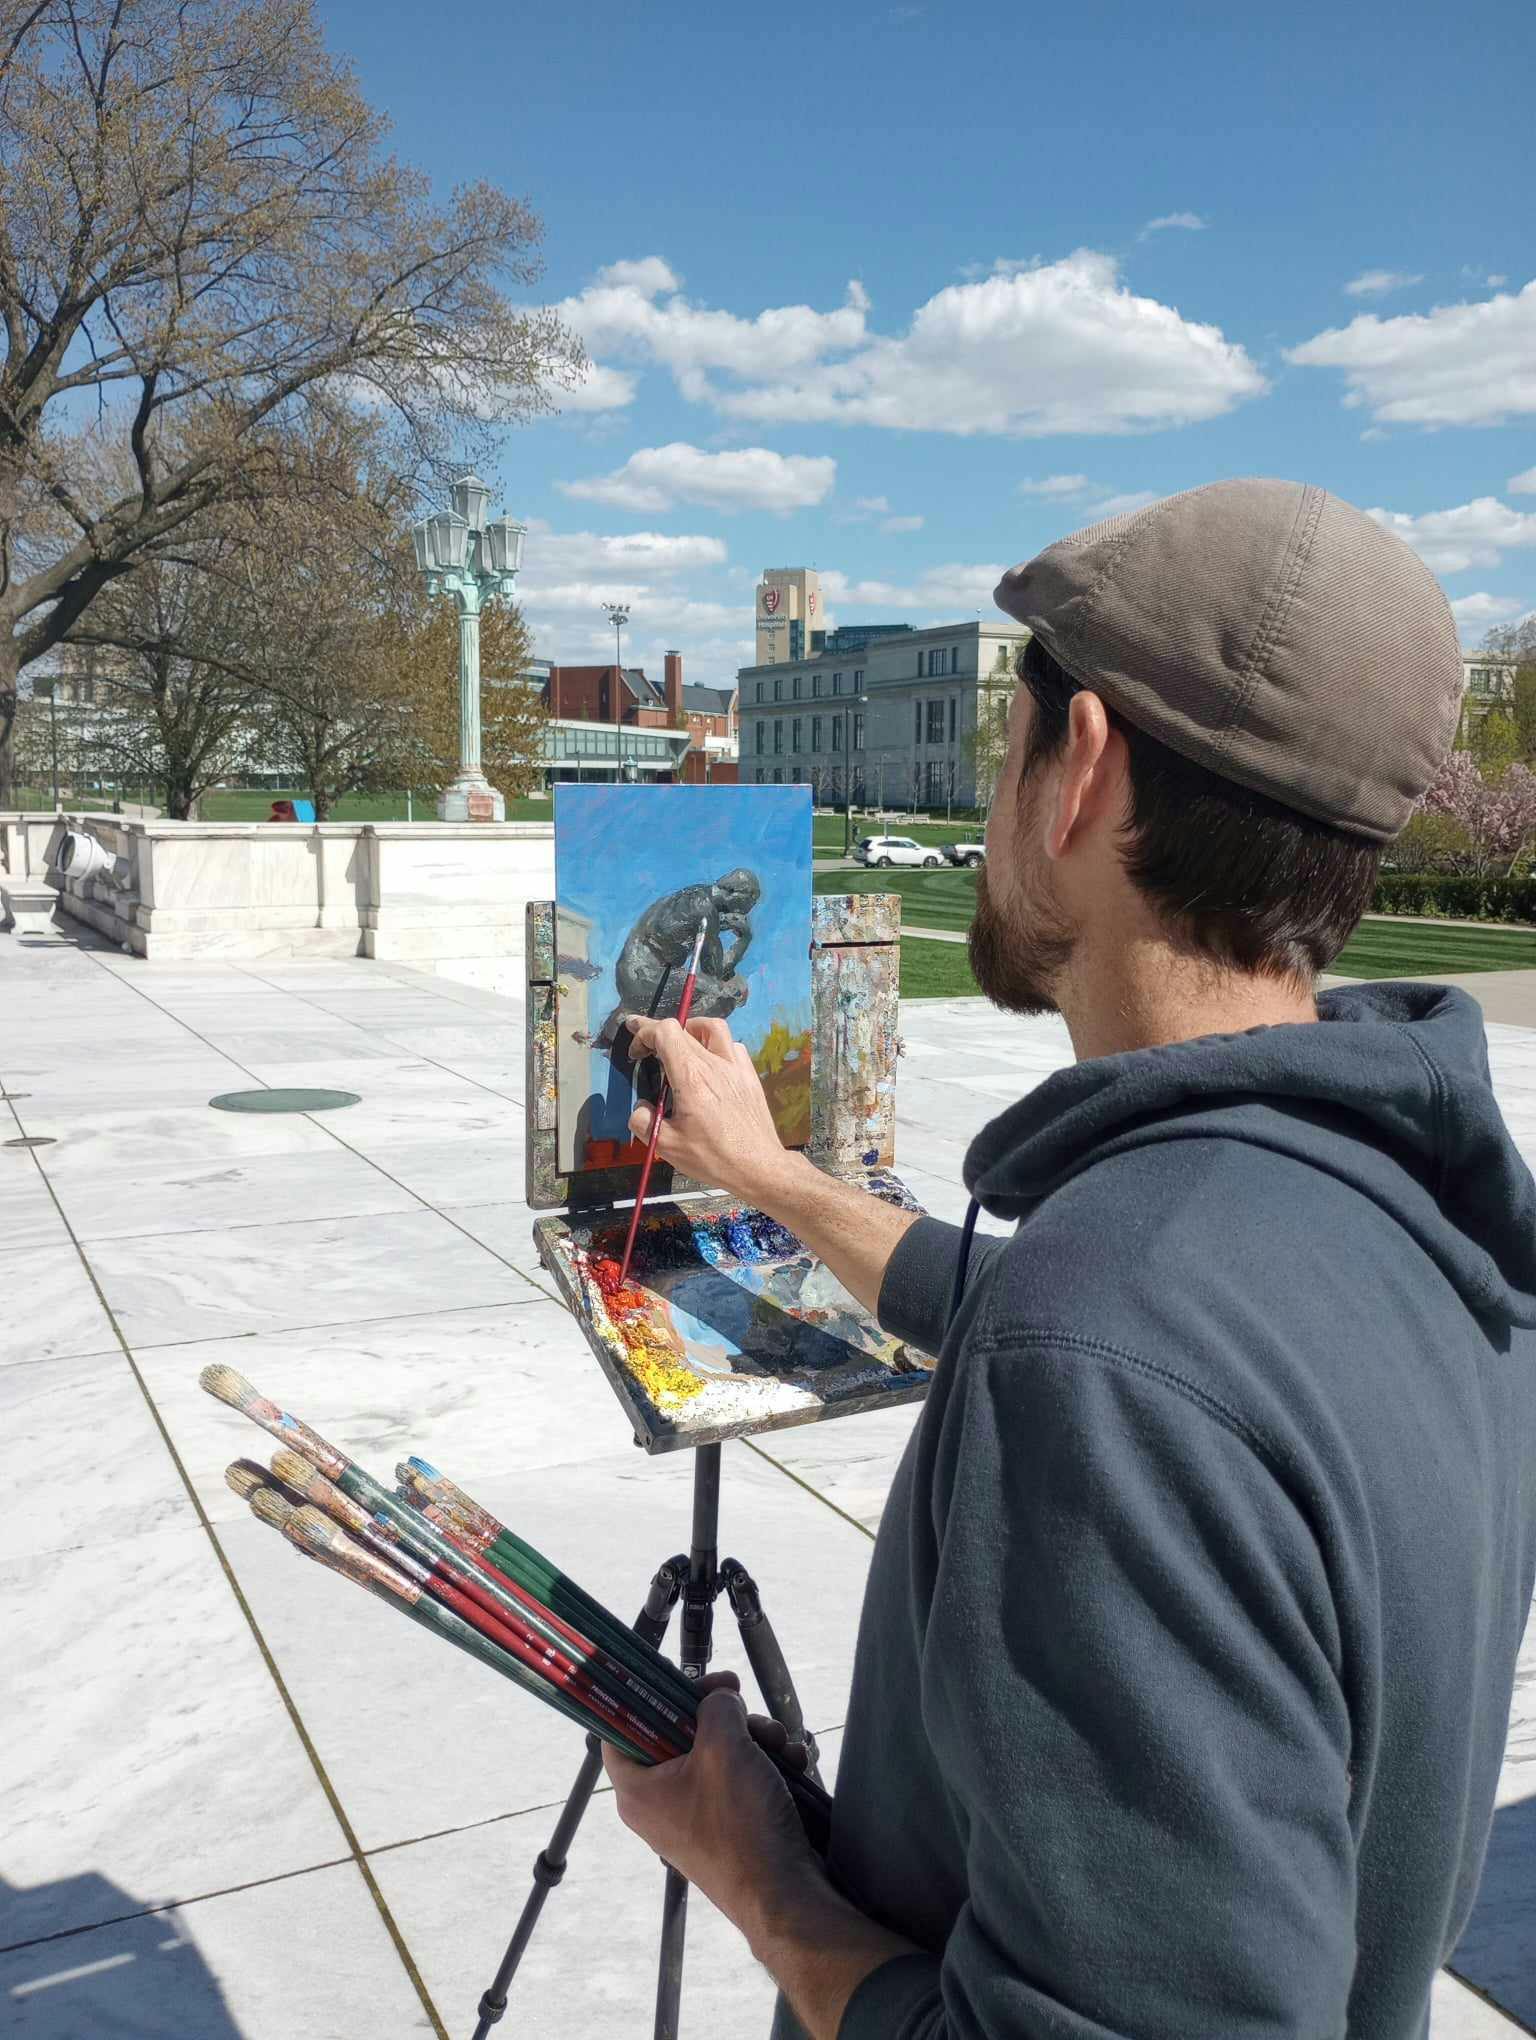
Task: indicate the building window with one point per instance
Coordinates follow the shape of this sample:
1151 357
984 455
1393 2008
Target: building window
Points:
795 686
778 775
778 690
837 683
935 722
858 733
935 782
759 776
759 690
815 732
815 687
778 739
858 679
837 733
761 730
917 733
797 640
954 707
794 736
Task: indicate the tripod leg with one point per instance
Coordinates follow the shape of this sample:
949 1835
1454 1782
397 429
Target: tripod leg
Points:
549 1866
766 1658
698 1618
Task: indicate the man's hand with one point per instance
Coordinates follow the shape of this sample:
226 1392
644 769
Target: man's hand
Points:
719 1129
723 1818
721 1815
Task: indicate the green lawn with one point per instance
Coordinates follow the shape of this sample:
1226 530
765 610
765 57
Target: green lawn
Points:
935 970
929 899
1388 949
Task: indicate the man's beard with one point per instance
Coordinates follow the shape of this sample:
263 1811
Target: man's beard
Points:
1017 961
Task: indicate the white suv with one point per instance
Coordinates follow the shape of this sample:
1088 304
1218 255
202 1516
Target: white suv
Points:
885 851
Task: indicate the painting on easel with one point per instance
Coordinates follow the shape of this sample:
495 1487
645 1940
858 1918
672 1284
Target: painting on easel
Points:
637 868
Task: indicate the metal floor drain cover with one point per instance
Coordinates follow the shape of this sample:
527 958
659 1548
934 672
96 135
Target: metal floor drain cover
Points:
32 1140
284 1101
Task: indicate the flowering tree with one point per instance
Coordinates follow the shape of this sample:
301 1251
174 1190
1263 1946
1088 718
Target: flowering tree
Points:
1499 820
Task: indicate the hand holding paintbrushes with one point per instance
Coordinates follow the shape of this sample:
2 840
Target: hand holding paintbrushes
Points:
453 1568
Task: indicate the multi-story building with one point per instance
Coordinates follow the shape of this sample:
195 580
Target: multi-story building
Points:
789 614
897 719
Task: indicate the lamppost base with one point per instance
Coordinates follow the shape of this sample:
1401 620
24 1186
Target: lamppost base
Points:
471 798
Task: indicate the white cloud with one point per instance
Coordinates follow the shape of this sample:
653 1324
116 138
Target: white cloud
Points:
749 478
1477 612
1056 487
635 310
1474 534
1376 282
650 276
1034 348
1467 364
560 554
872 504
948 591
1061 348
1189 220
898 524
601 389
1496 282
1523 484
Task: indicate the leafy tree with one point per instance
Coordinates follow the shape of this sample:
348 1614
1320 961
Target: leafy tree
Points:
1495 744
513 714
987 745
201 237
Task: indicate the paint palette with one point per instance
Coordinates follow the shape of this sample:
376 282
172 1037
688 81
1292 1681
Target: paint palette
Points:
727 1324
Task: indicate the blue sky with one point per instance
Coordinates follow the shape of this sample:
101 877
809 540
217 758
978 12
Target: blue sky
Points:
904 292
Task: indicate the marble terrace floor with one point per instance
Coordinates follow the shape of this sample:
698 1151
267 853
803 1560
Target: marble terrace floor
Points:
238 1798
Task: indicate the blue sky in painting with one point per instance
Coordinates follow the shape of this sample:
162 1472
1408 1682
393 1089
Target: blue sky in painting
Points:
619 848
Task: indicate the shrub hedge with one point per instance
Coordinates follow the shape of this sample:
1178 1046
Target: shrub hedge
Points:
1436 894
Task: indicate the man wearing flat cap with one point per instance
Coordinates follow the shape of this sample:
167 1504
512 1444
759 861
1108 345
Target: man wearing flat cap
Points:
1186 1657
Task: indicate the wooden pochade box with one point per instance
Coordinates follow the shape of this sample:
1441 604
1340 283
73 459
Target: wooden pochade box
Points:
742 1331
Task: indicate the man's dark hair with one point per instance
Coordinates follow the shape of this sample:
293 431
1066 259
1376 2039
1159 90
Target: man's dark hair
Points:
1251 884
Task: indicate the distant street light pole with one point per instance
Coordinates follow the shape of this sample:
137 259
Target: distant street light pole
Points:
858 702
462 555
617 614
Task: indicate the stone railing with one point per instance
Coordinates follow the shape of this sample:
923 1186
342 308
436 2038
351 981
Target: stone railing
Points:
411 891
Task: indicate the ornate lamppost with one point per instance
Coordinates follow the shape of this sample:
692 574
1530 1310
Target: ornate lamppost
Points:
464 556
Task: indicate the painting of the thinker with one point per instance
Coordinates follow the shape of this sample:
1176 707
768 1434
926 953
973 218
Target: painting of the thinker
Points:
638 871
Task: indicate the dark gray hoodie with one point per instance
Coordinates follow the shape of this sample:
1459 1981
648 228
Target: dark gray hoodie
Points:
1185 1665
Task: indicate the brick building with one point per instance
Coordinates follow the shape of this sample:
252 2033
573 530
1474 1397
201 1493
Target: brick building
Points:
589 694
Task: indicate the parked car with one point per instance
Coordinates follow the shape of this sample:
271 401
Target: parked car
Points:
971 854
885 851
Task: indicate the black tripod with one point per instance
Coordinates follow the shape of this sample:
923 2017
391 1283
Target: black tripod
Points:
697 1580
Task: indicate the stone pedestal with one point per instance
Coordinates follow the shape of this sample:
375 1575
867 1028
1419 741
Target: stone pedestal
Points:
471 798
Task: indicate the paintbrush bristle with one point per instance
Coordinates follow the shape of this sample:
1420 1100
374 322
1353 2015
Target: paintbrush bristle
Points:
313 1531
244 1476
293 1467
228 1386
272 1507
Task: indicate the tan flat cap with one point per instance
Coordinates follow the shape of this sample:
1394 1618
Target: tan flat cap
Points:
1266 630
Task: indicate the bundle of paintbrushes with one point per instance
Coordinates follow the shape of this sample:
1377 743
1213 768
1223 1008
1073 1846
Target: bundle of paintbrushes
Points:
441 1559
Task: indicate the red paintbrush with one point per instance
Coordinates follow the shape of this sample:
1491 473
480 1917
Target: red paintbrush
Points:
684 1008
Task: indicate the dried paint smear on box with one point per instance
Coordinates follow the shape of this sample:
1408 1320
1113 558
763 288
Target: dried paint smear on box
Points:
636 870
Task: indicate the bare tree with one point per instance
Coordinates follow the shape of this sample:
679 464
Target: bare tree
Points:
200 236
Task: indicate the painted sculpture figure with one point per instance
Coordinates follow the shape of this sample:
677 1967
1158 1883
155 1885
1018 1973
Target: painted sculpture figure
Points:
656 952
